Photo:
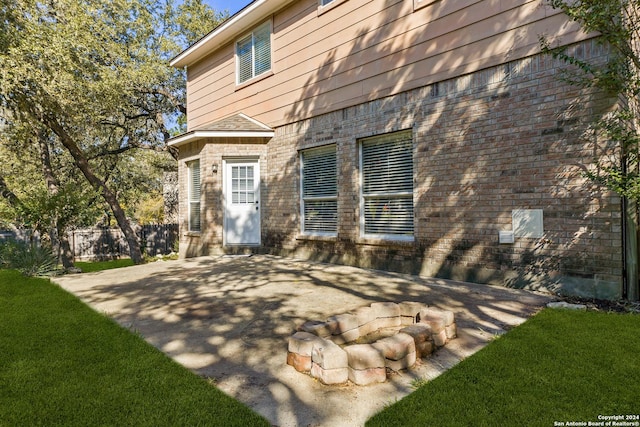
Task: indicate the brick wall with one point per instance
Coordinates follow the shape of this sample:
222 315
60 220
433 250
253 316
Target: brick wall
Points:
505 138
210 239
508 137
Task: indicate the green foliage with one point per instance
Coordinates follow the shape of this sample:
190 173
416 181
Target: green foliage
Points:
618 24
540 372
30 259
74 204
611 172
150 210
90 79
138 178
63 364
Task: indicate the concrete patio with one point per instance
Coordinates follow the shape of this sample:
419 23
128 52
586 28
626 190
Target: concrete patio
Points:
229 318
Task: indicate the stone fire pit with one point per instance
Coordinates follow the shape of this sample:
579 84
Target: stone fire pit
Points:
361 346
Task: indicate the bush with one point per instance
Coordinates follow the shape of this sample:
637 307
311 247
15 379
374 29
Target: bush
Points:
28 258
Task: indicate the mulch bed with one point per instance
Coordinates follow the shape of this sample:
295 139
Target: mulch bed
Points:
620 306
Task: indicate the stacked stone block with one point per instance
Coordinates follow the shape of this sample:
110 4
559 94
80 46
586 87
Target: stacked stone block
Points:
422 337
366 364
329 363
399 351
321 348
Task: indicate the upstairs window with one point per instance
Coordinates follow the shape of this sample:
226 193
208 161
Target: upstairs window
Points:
319 203
327 5
386 199
193 171
253 53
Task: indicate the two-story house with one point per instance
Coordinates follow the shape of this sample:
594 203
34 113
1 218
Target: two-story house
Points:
421 136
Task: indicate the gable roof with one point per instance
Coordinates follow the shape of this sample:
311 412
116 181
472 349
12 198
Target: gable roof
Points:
236 126
252 14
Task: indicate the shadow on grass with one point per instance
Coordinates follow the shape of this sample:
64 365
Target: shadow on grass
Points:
63 364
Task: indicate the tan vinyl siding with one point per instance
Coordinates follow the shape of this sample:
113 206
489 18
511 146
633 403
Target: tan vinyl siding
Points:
362 50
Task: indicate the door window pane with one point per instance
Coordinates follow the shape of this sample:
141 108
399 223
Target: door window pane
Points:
242 185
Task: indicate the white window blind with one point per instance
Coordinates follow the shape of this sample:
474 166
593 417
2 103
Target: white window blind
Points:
194 195
387 185
319 191
253 53
245 59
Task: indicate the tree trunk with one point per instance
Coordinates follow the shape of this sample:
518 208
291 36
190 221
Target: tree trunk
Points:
13 200
82 163
57 231
8 194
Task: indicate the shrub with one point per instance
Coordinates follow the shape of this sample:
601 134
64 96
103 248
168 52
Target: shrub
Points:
29 258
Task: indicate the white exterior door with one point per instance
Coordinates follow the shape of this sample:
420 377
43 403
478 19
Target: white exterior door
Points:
242 202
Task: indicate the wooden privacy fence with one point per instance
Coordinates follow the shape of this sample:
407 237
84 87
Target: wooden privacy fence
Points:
101 243
105 242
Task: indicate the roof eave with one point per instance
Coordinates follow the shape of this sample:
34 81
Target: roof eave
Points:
185 138
242 21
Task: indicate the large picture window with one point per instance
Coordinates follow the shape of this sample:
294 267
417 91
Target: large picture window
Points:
386 200
253 53
319 203
193 169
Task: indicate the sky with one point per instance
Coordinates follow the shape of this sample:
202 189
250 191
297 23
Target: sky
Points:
231 5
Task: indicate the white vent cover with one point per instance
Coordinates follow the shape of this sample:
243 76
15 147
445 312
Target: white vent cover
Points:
527 223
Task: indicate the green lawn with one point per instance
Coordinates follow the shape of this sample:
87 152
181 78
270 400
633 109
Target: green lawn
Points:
91 266
63 364
559 366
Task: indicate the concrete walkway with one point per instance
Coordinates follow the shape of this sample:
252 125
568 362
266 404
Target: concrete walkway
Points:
229 318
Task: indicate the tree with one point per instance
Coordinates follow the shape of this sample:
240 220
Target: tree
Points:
41 191
94 77
614 133
618 25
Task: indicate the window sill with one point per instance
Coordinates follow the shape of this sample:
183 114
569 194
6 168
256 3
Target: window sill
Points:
192 233
316 238
380 241
255 79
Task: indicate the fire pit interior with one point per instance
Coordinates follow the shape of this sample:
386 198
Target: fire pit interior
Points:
361 346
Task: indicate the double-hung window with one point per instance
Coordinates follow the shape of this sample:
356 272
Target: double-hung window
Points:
253 53
319 204
386 200
193 172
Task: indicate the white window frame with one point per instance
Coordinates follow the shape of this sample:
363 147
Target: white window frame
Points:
327 5
194 195
396 194
320 173
251 38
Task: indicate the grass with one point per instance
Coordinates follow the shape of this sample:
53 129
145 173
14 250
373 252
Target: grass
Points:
89 267
63 364
559 366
